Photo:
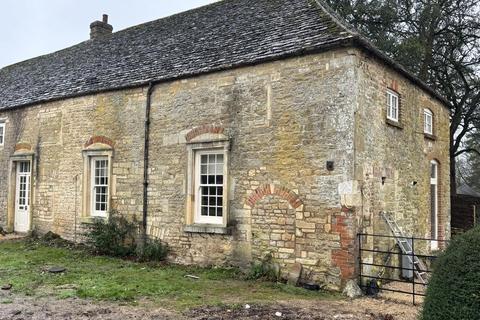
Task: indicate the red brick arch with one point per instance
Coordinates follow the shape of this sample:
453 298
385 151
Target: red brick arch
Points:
99 139
280 191
23 146
208 128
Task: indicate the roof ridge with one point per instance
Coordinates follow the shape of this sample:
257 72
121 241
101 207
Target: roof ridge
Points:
217 36
337 18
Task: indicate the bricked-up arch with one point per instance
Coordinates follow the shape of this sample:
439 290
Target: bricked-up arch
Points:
23 146
208 128
99 139
271 189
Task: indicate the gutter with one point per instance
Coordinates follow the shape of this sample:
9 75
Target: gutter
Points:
146 153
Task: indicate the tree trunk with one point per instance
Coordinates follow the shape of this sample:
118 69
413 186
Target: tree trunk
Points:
453 172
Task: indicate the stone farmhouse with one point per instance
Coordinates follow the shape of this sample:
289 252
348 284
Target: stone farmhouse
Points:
233 131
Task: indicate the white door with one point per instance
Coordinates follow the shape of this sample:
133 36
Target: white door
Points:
22 197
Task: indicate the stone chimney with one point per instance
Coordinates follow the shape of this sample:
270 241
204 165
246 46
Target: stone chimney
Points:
100 29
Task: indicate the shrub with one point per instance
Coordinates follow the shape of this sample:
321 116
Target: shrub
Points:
454 288
266 269
154 250
114 236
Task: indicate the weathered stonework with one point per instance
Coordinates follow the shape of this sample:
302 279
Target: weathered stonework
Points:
281 122
393 161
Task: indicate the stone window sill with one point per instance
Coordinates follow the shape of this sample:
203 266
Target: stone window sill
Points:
90 220
207 228
430 136
395 124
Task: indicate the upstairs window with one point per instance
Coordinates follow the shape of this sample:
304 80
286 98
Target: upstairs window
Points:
428 121
2 133
392 106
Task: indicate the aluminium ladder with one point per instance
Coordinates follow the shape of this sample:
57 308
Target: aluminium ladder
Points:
406 247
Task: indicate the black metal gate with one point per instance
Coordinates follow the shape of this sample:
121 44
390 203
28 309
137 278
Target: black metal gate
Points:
380 271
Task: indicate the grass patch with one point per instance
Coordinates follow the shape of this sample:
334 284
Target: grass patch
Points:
104 278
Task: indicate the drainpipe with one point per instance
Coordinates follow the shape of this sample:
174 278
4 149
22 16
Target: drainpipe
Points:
145 163
75 180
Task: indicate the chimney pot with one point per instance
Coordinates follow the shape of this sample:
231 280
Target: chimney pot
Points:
100 29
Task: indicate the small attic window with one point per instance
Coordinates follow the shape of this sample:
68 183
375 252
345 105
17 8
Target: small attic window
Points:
427 121
392 105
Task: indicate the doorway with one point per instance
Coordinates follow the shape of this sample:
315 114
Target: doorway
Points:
22 197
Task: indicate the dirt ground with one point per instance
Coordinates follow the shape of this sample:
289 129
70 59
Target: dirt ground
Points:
46 308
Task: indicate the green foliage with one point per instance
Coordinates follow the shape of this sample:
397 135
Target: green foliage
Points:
113 279
266 270
154 250
114 236
454 290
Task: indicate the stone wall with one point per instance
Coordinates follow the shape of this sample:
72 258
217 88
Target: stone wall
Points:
57 133
284 121
393 161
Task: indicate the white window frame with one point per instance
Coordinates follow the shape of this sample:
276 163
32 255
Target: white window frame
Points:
2 133
393 102
93 211
434 182
95 151
198 217
428 121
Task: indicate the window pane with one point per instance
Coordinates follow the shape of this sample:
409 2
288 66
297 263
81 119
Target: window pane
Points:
211 168
210 179
212 201
434 171
212 212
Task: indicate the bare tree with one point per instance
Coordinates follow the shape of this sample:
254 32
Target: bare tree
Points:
445 34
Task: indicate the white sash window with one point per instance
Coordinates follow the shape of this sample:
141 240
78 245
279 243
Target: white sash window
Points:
392 106
2 133
99 183
428 121
209 186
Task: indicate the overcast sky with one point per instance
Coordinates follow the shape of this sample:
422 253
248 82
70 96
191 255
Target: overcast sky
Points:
29 28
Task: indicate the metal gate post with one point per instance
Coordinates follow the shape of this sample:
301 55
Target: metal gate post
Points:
413 268
360 266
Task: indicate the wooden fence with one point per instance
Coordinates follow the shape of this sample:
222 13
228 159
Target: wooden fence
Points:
465 213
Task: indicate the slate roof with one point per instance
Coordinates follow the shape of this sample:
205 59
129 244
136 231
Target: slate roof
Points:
222 35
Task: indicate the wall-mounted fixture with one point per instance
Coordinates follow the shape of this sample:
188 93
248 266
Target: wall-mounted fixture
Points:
330 165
